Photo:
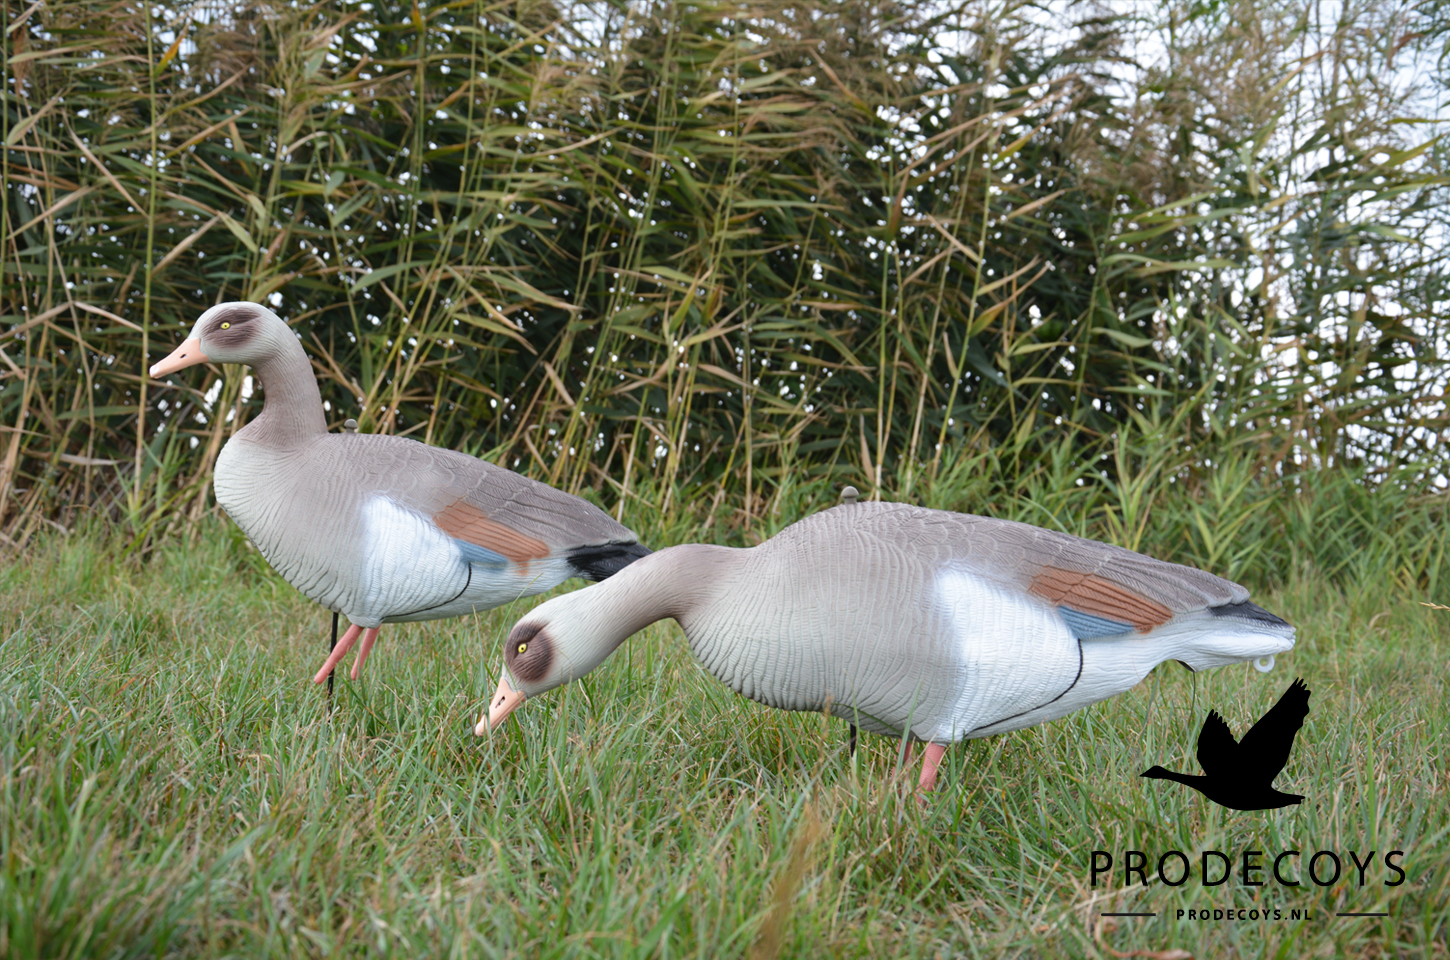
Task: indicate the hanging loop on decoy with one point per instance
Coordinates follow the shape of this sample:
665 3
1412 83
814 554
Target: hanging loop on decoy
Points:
1264 664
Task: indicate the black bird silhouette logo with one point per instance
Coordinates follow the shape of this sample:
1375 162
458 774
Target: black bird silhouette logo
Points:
1240 775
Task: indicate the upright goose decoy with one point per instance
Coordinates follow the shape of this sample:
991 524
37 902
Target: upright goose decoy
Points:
904 621
381 528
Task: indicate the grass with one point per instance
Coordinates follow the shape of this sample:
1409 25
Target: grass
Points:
1235 361
171 785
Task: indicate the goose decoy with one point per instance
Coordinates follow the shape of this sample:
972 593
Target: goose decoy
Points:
904 621
1240 775
381 528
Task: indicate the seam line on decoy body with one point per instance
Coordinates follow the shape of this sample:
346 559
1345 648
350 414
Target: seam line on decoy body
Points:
466 583
1065 692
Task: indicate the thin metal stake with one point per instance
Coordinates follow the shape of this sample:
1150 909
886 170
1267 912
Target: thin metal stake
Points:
331 648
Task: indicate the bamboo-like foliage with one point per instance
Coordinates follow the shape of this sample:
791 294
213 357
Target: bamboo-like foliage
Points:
711 247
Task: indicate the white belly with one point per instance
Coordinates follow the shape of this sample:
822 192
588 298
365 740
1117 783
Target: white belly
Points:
1013 654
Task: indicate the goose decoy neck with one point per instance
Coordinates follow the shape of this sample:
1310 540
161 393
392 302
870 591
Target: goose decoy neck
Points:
291 403
676 582
566 637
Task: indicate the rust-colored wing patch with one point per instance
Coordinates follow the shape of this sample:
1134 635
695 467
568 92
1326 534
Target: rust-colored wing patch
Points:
1092 594
464 521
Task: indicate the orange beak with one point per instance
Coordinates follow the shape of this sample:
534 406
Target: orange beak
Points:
182 357
505 699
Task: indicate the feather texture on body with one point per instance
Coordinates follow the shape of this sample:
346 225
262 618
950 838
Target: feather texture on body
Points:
907 621
382 528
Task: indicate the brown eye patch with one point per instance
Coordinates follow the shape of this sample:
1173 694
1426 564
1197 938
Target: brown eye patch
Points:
231 328
528 653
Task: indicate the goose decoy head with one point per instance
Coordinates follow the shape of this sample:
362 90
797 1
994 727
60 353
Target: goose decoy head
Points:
229 333
555 643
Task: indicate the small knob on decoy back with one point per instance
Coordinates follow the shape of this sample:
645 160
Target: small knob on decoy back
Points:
349 425
849 494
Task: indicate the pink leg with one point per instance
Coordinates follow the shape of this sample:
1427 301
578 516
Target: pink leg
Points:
370 637
929 764
343 645
906 757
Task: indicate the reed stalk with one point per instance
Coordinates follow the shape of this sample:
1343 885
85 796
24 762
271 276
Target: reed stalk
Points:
726 248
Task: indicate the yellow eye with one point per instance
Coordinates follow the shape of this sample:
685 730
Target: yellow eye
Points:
523 647
226 326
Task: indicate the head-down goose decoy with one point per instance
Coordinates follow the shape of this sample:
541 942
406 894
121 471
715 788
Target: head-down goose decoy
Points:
904 621
1240 774
382 528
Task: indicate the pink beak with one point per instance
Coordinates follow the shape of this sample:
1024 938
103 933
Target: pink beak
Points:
182 357
505 700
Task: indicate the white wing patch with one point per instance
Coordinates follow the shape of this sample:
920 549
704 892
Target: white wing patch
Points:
1013 652
408 563
412 570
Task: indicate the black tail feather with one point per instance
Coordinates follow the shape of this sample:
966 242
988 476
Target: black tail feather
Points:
1248 611
598 562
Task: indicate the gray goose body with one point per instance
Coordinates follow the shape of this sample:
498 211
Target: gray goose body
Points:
905 620
955 625
381 528
351 520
